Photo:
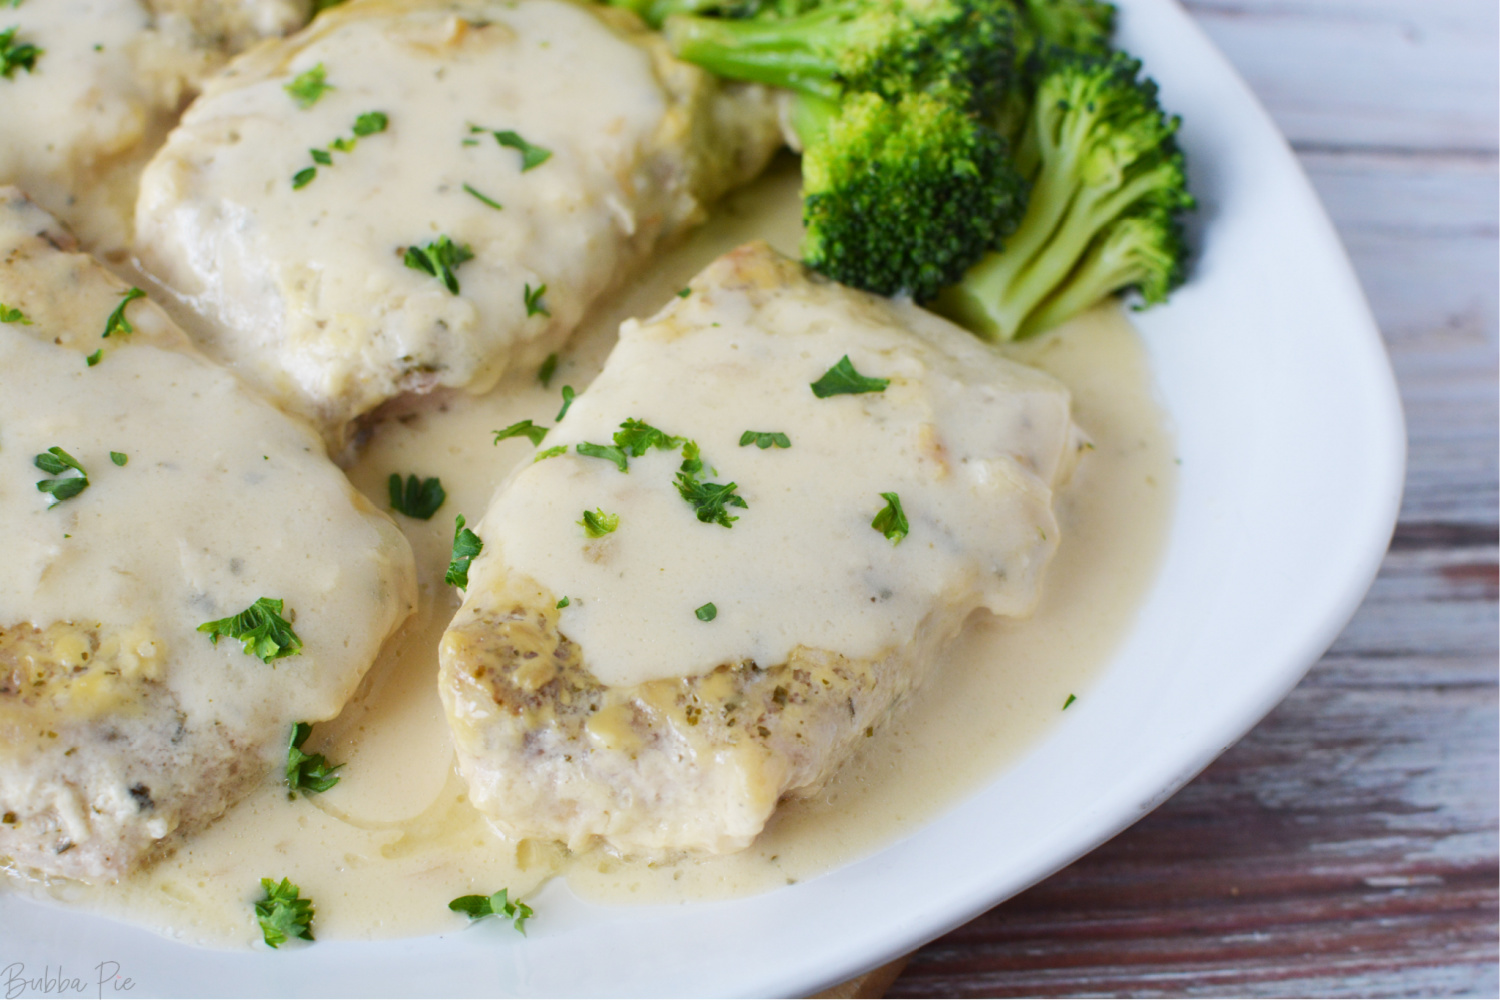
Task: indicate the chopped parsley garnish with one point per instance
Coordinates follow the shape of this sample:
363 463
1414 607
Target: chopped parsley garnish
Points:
420 498
118 322
308 86
842 379
684 293
891 521
523 428
485 198
261 628
95 358
561 449
637 437
366 124
549 368
16 55
707 613
307 772
531 156
370 123
12 315
1071 698
708 499
568 395
765 439
534 304
440 258
283 914
119 457
466 545
597 524
608 452
56 462
499 905
564 603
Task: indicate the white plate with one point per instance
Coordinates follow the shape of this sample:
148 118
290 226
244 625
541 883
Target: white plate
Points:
1292 450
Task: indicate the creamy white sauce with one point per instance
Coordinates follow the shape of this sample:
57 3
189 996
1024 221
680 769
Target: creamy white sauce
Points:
76 130
384 851
305 288
968 443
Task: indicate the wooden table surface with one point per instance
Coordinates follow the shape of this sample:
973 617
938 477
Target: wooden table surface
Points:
1346 847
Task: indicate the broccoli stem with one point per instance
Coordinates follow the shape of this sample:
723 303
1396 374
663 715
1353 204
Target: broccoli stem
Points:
796 52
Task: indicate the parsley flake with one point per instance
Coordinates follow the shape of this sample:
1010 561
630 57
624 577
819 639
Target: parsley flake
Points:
499 905
16 55
609 453
261 628
842 379
307 772
549 368
283 914
308 86
891 521
370 123
118 322
12 315
534 304
564 603
561 449
485 198
367 124
684 293
637 437
56 462
420 499
531 156
707 499
439 259
568 395
466 545
707 613
597 524
1071 698
95 358
119 457
765 439
523 428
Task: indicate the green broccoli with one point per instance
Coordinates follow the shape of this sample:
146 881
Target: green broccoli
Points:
905 184
654 12
1077 25
1108 190
961 48
903 196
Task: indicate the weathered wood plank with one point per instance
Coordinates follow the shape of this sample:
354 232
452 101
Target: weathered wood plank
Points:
1371 75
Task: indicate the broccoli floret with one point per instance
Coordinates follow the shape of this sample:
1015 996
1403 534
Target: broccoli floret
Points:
1108 189
903 196
1077 25
654 12
962 48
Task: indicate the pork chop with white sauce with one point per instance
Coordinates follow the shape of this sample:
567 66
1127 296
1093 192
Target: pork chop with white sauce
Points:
420 194
145 493
96 85
747 541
